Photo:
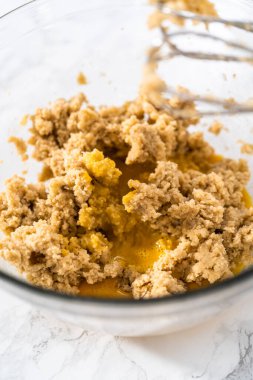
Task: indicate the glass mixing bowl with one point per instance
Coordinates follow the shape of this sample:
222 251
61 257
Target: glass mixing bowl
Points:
44 45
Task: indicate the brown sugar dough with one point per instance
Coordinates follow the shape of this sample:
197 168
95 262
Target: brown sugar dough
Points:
114 170
24 120
81 79
246 148
216 127
20 145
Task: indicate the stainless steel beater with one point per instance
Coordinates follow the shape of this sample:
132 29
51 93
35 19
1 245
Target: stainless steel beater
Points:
169 49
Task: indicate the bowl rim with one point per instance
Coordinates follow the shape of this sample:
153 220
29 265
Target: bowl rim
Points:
211 289
17 8
217 287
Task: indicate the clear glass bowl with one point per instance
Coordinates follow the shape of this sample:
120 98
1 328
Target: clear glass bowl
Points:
43 47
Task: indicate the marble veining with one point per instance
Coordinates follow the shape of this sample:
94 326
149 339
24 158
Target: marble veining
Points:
34 344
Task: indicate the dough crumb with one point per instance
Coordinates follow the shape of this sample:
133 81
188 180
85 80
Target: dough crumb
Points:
24 120
45 174
216 127
246 148
20 145
81 79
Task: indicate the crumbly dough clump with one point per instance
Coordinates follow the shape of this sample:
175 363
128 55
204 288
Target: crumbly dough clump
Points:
216 127
20 145
246 148
114 169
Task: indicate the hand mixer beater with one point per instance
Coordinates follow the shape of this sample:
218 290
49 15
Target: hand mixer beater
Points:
169 48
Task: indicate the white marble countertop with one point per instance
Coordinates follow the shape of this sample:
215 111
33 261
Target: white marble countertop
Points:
36 345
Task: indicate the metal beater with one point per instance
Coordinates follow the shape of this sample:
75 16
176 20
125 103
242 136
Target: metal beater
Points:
169 49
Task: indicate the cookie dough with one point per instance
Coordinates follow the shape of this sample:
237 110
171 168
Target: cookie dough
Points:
216 128
20 145
134 205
